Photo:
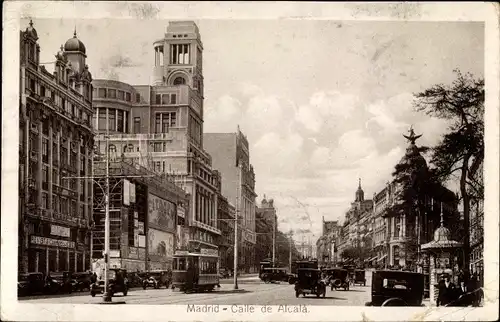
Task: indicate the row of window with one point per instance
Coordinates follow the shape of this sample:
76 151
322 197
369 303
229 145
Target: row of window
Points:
208 265
195 130
59 100
112 93
167 99
164 121
114 119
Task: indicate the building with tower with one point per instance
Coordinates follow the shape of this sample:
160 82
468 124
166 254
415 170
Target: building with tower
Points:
56 140
266 226
231 157
160 127
326 245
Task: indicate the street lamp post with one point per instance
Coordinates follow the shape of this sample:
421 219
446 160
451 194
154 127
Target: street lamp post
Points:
238 189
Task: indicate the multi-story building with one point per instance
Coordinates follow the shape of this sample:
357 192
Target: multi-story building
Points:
226 214
231 156
55 153
160 126
266 229
145 210
476 227
326 245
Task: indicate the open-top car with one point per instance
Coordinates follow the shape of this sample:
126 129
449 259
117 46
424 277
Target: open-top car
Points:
117 283
359 277
270 275
309 282
337 278
397 288
157 279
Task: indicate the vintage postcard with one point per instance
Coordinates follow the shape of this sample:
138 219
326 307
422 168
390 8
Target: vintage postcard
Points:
250 161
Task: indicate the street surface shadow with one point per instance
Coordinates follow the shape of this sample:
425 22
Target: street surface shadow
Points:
351 290
232 292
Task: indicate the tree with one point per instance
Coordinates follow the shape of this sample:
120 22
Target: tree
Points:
461 150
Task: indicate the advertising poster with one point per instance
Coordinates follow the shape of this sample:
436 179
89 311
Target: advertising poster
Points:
126 192
142 241
140 227
162 213
160 243
132 193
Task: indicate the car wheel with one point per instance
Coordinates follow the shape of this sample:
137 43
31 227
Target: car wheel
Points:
92 294
125 292
297 294
144 287
324 293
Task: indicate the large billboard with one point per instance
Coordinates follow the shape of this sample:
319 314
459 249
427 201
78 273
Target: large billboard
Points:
162 213
160 243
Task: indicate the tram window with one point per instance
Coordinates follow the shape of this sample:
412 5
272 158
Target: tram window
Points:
180 264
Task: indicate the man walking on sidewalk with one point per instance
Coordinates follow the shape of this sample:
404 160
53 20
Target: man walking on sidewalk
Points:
446 291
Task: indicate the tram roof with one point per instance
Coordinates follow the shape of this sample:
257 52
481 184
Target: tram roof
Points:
194 255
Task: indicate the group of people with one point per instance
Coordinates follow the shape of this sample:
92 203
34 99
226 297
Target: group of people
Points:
463 294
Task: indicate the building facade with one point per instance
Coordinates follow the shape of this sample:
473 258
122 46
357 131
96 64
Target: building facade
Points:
145 210
327 243
160 127
231 156
55 153
266 229
226 214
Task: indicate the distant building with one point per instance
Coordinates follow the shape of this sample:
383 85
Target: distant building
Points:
326 246
226 215
266 218
55 144
231 157
160 127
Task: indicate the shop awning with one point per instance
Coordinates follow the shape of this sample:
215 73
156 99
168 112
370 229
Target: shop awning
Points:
381 258
371 259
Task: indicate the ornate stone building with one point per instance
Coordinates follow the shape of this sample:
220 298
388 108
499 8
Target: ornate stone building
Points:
160 127
55 155
265 219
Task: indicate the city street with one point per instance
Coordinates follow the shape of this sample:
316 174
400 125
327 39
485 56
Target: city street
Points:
251 291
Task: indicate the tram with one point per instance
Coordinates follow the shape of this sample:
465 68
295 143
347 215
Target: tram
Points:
195 272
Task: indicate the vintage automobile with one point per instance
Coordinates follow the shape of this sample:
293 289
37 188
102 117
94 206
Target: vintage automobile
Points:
58 282
309 282
396 288
157 279
337 278
30 283
270 275
359 277
224 273
81 281
118 283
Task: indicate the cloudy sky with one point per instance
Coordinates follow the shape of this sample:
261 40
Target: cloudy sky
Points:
322 103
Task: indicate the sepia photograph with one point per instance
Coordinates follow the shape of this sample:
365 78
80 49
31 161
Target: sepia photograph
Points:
250 161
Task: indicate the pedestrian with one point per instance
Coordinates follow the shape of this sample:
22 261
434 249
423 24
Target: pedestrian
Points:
462 294
446 291
474 288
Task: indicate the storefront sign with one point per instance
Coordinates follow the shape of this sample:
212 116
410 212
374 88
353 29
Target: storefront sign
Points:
211 252
59 231
142 241
161 213
38 240
114 253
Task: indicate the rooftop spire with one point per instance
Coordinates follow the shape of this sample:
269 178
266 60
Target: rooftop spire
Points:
359 183
74 33
31 22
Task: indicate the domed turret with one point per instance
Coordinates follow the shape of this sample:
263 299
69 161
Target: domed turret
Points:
74 44
31 31
60 54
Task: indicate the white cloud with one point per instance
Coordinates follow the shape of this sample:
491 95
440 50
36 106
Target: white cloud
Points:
221 116
325 107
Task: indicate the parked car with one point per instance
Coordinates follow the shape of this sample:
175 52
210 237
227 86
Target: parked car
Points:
81 281
224 273
271 275
309 282
157 279
117 283
58 282
30 283
396 288
359 277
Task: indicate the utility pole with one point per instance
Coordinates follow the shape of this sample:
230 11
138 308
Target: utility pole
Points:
274 239
238 189
290 251
106 295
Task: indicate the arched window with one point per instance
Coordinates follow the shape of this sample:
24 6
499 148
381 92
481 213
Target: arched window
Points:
179 81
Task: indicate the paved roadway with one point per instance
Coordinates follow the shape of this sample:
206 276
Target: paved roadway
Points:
251 291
